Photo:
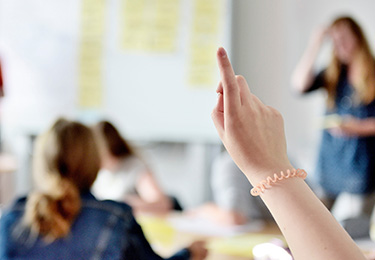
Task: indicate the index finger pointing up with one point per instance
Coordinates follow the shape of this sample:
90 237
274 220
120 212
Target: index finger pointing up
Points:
228 80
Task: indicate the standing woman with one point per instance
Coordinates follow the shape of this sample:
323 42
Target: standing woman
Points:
347 154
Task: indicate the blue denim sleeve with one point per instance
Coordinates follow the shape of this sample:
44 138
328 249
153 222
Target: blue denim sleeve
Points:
139 248
5 243
3 238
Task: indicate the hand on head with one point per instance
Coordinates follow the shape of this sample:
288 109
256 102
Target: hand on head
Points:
252 132
321 33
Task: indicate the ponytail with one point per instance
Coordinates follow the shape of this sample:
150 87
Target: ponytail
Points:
52 213
65 164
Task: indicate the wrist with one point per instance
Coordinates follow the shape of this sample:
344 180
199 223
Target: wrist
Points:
271 181
255 176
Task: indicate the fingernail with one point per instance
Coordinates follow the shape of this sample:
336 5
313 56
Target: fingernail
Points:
222 52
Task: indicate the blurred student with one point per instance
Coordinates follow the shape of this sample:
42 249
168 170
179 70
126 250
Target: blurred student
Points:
347 153
232 204
61 219
124 176
253 135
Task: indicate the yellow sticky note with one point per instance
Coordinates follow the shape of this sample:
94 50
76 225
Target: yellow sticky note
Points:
90 90
150 26
157 230
204 39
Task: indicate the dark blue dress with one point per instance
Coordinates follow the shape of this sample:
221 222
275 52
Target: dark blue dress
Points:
346 164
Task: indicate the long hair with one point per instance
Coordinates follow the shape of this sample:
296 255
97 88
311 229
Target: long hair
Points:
65 164
109 137
364 80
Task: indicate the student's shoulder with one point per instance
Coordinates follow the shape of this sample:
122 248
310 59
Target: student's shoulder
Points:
17 205
108 206
13 212
117 205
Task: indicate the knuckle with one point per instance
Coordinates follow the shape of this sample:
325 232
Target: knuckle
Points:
257 101
240 78
231 86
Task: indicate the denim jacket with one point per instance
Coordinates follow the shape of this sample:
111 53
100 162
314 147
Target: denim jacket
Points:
102 230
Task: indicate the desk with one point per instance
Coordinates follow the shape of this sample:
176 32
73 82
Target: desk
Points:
167 239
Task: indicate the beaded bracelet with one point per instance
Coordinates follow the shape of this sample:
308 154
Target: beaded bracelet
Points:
263 185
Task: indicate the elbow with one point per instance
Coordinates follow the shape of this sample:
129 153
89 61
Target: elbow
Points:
296 85
301 84
297 89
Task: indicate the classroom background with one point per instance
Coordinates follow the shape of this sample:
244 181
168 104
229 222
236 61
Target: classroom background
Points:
83 59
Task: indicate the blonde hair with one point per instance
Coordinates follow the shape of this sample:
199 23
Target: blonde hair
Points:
364 80
66 163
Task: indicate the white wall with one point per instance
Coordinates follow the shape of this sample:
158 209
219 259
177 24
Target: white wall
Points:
268 39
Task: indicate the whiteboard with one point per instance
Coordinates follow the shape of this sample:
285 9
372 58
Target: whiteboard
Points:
146 95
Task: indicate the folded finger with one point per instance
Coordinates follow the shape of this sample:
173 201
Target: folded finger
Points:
245 94
219 88
218 114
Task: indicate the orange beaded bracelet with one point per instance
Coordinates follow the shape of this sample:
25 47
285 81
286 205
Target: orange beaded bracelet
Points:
263 185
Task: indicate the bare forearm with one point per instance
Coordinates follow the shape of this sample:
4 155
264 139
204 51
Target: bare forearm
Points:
367 127
310 229
358 127
303 75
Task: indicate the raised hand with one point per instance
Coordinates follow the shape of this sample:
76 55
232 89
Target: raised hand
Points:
252 132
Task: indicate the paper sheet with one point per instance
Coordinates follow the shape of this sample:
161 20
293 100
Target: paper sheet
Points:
150 26
329 121
90 91
204 40
209 228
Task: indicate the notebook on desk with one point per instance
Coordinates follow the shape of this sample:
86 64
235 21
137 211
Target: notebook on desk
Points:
209 228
